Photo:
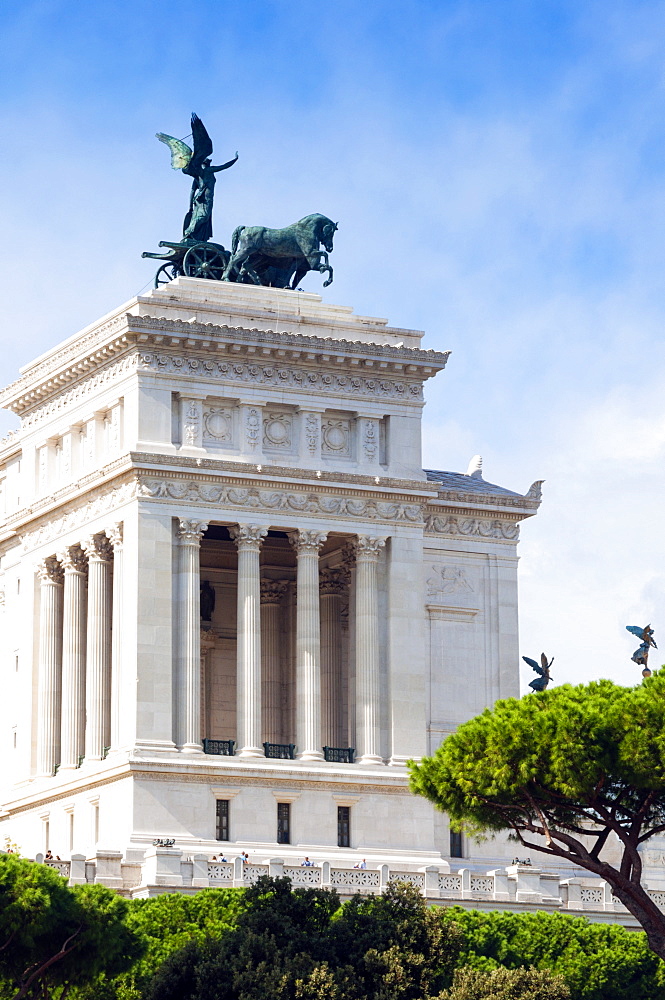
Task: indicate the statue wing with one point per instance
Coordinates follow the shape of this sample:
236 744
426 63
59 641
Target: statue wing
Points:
181 154
202 141
534 666
636 630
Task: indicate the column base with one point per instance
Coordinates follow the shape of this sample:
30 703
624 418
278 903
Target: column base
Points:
250 752
310 755
397 761
194 748
369 758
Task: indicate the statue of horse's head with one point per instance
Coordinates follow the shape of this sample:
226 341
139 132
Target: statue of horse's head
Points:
327 230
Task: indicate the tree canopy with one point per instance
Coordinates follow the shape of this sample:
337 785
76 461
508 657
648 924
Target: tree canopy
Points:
52 936
564 770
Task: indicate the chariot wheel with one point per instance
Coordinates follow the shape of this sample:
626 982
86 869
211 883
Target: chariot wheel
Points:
166 273
203 261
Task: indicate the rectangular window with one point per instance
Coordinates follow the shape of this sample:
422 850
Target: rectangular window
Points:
283 822
456 845
343 826
222 820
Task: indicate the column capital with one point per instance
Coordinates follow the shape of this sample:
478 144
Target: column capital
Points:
190 532
114 533
49 570
304 540
248 536
97 547
272 591
73 560
368 546
334 581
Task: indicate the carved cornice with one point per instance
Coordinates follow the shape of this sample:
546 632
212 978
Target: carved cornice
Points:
46 378
240 337
483 527
232 466
294 501
103 503
85 387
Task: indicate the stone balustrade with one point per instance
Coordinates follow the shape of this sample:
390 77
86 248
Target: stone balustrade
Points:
516 887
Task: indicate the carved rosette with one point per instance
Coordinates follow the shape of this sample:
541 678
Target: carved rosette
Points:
272 591
49 570
97 548
306 540
190 532
248 536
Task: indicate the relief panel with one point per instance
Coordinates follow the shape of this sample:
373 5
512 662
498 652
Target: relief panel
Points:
278 432
337 436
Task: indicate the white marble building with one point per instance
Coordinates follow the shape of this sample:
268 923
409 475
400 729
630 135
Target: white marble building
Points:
267 446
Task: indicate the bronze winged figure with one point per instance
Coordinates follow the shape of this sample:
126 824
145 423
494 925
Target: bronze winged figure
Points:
196 162
543 669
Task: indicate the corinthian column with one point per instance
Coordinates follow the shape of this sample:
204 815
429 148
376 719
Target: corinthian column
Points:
50 666
272 592
114 536
188 658
98 647
249 538
73 657
308 644
333 587
367 650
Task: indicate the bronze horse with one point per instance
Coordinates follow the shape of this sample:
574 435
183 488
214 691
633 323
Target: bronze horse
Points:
277 256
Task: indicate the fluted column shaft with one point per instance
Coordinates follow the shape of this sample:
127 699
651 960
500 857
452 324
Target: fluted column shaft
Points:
333 587
308 644
272 592
249 538
73 657
188 659
98 647
50 666
114 535
368 716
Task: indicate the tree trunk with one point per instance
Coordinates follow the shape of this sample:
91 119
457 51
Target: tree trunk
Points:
638 902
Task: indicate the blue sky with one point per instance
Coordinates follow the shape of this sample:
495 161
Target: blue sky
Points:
498 173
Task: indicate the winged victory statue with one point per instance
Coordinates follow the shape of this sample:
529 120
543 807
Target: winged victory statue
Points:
641 654
197 163
542 669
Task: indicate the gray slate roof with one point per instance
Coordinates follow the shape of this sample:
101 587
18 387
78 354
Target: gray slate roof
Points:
468 484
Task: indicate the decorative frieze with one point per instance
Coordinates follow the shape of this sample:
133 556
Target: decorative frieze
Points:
105 503
272 500
283 377
441 525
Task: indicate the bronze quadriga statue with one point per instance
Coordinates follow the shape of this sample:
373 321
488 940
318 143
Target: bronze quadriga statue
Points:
274 257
